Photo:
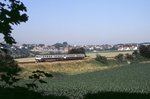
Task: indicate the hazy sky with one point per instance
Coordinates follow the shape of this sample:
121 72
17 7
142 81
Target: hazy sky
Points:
85 22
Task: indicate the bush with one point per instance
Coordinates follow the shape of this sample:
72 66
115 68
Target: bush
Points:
129 57
144 51
101 59
119 57
125 58
135 53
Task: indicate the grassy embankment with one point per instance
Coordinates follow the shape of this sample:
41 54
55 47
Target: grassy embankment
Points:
68 67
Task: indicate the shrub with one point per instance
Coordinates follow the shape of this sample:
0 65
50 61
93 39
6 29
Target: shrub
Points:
125 58
135 53
138 57
101 59
129 57
119 57
144 51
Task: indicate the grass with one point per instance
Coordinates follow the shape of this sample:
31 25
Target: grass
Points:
66 67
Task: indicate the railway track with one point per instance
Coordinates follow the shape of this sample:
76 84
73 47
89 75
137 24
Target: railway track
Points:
27 62
54 61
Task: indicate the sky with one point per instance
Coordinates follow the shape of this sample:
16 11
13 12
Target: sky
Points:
85 22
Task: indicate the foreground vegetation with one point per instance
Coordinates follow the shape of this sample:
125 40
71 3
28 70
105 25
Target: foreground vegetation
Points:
133 78
130 81
23 93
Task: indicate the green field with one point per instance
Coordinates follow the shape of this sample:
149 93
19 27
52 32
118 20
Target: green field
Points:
134 78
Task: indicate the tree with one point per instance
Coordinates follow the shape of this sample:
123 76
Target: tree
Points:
77 51
65 44
41 45
12 12
145 51
58 45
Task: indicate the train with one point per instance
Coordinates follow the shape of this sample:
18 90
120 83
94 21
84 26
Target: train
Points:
44 58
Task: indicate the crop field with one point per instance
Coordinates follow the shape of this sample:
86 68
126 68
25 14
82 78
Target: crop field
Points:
108 54
133 78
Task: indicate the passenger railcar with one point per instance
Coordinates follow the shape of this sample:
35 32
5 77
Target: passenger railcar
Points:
42 58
